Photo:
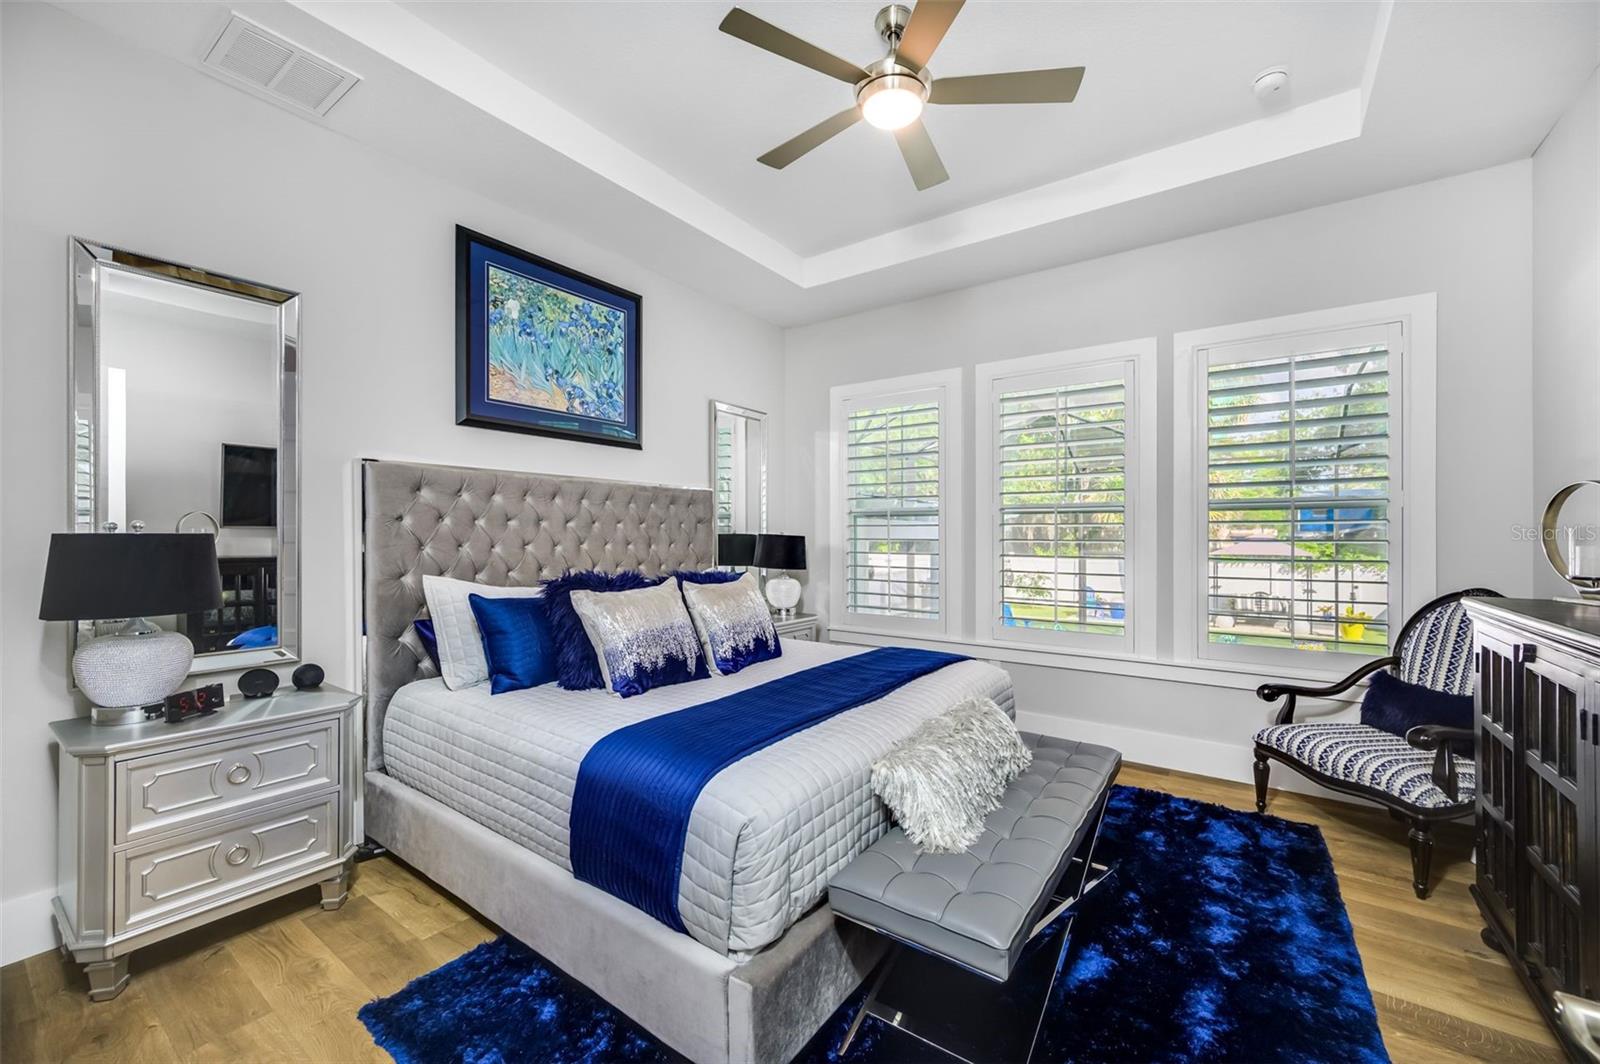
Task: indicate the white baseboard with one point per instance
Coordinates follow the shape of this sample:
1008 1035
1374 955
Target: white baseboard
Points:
1182 753
27 926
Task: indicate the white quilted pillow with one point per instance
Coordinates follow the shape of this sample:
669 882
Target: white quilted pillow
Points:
461 660
943 779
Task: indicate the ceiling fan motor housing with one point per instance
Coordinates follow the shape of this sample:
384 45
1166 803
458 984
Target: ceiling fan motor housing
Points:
891 22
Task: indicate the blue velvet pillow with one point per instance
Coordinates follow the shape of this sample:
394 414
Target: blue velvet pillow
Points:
706 576
1394 706
516 641
430 642
577 669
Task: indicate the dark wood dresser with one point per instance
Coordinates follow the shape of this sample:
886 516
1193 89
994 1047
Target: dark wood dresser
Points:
1538 804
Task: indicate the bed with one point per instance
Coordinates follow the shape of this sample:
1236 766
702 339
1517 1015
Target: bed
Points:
475 790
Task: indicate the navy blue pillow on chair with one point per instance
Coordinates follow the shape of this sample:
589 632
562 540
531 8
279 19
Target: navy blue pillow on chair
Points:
516 641
430 642
577 669
1394 706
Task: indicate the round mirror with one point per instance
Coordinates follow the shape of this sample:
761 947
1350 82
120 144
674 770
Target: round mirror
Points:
1570 533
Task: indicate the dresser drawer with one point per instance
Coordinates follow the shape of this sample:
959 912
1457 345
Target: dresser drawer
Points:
204 868
183 789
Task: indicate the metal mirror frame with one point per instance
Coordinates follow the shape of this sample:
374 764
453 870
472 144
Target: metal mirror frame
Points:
88 262
758 417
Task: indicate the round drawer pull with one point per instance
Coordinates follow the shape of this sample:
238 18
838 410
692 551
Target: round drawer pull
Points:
238 855
238 774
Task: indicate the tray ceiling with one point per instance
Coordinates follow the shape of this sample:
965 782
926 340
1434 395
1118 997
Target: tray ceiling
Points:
636 125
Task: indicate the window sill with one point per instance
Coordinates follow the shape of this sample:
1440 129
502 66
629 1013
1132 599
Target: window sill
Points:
1243 676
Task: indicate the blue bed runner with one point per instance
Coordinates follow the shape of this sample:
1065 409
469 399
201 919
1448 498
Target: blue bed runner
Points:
637 787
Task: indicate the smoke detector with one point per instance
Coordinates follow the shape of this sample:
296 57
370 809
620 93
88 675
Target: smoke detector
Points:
277 69
1272 85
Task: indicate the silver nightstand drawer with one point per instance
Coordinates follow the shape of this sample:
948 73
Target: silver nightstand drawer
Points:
183 789
166 879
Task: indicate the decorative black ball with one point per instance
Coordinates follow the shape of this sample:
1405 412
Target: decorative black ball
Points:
307 676
258 683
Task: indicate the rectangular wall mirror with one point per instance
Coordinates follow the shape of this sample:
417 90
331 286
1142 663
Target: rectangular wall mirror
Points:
739 467
185 417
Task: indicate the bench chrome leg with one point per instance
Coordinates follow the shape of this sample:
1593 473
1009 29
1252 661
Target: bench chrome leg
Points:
866 1002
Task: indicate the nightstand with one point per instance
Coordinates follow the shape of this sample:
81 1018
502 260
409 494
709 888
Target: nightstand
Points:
800 626
163 827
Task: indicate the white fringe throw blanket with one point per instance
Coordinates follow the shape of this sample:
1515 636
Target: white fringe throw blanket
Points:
951 773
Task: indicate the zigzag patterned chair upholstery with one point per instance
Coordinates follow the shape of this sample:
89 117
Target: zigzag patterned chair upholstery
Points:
1424 778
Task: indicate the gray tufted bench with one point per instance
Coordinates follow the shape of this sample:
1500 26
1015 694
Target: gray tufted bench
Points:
975 913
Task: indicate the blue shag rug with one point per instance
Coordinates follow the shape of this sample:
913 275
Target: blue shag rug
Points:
1222 937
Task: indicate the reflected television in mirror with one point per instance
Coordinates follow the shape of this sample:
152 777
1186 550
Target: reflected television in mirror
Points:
249 486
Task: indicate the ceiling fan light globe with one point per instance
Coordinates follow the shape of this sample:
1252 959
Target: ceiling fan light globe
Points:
892 102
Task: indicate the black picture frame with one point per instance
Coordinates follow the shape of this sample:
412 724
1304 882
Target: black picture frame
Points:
500 353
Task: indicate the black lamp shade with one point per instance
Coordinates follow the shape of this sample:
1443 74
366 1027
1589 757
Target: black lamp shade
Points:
94 576
736 548
780 552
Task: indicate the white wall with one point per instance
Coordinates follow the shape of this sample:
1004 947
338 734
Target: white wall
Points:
1467 238
1566 315
118 145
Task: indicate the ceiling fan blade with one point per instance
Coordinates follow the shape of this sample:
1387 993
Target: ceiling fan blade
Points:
745 26
794 147
930 19
922 159
1019 86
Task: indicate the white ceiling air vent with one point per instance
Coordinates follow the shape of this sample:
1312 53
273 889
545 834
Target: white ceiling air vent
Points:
280 70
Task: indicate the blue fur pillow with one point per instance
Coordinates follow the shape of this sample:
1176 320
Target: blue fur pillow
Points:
706 576
1394 706
577 668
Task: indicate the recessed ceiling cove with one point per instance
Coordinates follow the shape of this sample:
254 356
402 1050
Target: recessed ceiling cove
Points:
705 105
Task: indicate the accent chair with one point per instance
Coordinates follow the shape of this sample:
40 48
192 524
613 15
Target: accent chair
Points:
1424 778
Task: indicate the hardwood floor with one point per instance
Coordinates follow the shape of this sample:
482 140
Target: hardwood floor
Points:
283 982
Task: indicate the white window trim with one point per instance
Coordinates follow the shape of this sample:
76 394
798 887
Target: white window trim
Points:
952 451
1412 504
1136 360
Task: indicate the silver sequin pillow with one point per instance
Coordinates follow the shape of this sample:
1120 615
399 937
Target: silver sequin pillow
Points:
642 638
733 622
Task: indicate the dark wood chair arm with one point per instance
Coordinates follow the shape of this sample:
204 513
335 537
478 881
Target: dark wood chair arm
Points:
1271 692
1442 740
1430 736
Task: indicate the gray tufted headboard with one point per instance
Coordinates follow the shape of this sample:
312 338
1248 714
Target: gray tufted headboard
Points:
500 527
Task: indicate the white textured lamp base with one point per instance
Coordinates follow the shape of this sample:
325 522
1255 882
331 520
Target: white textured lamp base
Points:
121 673
783 592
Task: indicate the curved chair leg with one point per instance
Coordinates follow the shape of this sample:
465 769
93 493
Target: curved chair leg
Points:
1421 836
1261 783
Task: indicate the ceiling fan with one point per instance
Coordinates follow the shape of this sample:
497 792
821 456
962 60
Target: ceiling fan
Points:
891 91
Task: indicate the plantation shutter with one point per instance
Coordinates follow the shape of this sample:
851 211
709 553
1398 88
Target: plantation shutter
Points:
1061 463
892 494
723 488
1298 474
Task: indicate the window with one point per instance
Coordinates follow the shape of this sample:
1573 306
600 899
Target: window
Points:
1058 539
895 503
1295 447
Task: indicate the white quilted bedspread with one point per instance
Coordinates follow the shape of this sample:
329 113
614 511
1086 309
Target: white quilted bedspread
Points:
767 833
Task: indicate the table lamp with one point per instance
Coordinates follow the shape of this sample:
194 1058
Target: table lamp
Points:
782 553
736 548
98 576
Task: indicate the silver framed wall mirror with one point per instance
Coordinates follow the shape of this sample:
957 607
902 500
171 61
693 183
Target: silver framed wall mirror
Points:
738 467
185 411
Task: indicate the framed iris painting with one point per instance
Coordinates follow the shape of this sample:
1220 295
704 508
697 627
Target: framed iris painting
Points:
543 349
